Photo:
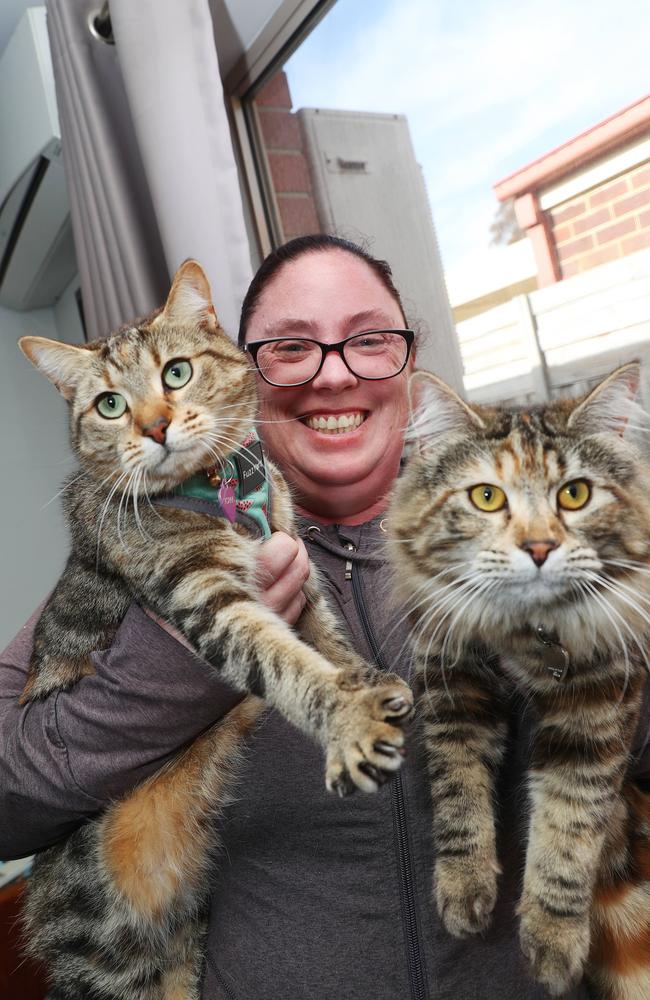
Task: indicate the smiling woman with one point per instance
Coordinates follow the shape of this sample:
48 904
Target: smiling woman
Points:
336 428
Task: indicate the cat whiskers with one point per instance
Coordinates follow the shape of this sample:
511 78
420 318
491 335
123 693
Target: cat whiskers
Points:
104 512
64 488
465 590
481 588
415 600
224 441
136 513
610 612
614 587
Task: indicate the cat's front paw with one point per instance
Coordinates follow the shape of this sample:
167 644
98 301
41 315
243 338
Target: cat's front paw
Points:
466 891
556 947
365 744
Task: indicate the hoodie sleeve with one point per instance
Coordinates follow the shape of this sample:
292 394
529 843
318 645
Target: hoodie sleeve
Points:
67 756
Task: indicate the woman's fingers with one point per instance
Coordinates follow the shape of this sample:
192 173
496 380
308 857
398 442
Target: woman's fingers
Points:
282 571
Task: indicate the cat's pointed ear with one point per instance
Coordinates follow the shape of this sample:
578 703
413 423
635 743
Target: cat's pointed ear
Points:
189 302
609 407
63 364
437 410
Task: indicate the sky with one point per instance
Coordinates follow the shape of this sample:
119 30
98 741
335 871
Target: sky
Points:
486 85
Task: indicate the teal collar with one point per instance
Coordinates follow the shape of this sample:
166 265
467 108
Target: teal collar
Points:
238 488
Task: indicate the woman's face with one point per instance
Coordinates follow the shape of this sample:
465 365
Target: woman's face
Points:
327 296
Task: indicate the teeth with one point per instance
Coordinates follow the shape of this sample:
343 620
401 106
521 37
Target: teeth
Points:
336 425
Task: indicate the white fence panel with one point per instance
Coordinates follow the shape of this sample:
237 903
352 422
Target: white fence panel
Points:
560 338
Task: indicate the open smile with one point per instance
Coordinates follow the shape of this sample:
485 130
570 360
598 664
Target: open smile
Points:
335 423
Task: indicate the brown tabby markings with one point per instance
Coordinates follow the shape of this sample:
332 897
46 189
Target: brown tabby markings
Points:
473 594
117 910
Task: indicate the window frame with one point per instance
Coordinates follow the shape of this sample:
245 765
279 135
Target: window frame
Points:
292 22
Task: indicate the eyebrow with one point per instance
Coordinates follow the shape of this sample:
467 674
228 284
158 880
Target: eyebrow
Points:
377 319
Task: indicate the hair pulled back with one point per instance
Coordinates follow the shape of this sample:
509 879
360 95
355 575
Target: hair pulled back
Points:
314 243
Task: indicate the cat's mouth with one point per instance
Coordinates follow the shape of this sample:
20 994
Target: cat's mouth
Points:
334 423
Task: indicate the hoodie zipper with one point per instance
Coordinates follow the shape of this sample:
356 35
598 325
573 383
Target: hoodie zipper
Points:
407 892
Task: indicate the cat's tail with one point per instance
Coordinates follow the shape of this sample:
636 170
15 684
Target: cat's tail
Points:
620 953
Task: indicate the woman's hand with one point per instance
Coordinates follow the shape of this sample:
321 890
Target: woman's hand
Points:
282 571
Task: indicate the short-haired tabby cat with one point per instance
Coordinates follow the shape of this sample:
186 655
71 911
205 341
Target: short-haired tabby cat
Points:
116 911
521 544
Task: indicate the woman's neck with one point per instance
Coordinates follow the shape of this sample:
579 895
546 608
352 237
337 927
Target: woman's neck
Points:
328 516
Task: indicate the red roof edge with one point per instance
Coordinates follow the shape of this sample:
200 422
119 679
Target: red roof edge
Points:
623 125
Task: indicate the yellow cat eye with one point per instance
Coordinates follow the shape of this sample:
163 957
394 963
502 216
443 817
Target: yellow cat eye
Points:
488 498
574 495
110 405
177 373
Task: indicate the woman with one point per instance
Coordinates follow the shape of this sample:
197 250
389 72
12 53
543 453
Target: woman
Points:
315 897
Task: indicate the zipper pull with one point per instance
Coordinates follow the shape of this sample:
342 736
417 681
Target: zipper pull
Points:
348 564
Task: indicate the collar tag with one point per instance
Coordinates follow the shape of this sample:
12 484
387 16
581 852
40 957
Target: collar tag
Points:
556 658
228 500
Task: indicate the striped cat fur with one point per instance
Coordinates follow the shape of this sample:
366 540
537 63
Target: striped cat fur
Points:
506 520
117 910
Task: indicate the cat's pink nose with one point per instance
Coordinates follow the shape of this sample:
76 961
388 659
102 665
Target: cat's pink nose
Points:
538 551
157 430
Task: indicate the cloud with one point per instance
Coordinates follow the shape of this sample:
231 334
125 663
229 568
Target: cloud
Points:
487 86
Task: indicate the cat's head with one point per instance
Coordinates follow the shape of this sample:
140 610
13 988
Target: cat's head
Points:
516 515
154 402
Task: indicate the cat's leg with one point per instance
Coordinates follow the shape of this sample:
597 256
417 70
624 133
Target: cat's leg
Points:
198 574
579 758
464 733
71 634
619 958
358 723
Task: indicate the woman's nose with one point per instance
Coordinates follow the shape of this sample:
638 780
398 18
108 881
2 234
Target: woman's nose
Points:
334 374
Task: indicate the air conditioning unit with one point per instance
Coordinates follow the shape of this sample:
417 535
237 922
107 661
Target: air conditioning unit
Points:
37 257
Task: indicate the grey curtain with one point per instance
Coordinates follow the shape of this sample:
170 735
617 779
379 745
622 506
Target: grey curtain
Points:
149 163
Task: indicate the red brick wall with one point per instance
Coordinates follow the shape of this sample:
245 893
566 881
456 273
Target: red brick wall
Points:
287 163
606 222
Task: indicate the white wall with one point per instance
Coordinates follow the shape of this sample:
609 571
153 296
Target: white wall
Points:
35 459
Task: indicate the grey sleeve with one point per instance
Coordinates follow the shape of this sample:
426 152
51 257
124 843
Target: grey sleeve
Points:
66 757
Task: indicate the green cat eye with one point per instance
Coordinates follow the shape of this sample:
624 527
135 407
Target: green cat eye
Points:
574 495
111 405
177 373
488 498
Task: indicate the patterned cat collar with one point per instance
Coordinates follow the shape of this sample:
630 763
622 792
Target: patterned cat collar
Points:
237 489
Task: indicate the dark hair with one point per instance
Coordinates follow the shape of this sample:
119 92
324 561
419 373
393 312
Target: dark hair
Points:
296 248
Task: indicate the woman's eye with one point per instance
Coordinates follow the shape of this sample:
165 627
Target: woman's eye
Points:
177 373
111 405
488 498
574 495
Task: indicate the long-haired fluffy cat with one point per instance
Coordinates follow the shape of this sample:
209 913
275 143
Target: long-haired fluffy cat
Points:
117 910
521 544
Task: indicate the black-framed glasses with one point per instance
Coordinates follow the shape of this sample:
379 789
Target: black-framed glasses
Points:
291 361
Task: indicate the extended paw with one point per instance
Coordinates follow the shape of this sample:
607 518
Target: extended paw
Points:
466 891
555 946
365 740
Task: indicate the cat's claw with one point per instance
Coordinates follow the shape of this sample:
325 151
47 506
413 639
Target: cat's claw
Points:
365 745
556 948
466 892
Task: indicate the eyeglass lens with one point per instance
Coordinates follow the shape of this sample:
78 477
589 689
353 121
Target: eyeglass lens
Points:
378 354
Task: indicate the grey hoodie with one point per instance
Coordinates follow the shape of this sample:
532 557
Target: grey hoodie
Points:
315 898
